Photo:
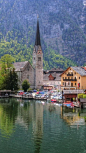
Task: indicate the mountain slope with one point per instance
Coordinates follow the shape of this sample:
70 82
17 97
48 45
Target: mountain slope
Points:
62 25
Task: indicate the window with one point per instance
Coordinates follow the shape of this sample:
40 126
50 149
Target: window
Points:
27 76
28 68
68 83
75 84
78 85
63 83
71 84
39 58
79 77
75 79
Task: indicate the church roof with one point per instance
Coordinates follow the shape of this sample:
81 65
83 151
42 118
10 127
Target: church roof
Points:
37 41
19 65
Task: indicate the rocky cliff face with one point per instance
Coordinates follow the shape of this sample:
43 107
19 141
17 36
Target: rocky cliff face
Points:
62 24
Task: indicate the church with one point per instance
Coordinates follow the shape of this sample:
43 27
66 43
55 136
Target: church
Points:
34 73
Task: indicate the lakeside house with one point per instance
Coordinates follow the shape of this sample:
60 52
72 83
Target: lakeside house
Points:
73 78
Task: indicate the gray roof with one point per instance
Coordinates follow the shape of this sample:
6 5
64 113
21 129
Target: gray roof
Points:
19 65
79 70
72 91
56 75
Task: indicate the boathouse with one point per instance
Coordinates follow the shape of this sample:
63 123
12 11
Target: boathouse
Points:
70 95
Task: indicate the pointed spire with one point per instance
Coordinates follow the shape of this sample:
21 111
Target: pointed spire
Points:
37 41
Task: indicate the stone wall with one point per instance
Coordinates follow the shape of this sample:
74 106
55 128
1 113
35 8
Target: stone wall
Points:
28 74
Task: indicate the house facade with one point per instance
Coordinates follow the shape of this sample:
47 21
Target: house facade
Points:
52 78
73 78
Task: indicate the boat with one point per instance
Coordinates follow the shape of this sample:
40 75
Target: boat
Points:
53 100
68 104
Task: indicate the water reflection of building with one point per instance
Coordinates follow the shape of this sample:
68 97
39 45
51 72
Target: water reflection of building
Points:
32 114
72 117
25 111
38 119
37 125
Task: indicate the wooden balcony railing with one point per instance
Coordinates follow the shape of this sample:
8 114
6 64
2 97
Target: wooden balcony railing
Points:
70 79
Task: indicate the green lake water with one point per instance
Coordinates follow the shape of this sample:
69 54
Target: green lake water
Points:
40 127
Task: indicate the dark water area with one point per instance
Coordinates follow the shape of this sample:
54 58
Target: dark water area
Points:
41 127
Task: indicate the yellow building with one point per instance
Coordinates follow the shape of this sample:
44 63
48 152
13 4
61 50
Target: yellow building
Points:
73 78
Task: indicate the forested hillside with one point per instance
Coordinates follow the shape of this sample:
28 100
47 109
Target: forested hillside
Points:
62 29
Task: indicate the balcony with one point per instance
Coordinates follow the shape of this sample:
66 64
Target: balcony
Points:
70 79
70 74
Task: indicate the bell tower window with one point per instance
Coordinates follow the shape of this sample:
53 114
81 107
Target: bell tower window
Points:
39 58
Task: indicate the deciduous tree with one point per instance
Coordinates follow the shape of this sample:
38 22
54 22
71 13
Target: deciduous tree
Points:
25 85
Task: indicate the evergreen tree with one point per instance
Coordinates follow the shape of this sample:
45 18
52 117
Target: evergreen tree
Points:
11 80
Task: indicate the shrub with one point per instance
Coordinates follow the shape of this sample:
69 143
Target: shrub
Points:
84 96
25 85
80 96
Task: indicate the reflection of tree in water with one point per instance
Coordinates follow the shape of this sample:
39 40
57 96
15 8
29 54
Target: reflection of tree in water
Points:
8 114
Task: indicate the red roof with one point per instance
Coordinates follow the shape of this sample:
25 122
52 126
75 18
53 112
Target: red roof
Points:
84 68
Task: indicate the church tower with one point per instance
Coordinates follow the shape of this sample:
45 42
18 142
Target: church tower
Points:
38 60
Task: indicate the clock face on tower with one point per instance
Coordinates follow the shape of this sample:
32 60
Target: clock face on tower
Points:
39 52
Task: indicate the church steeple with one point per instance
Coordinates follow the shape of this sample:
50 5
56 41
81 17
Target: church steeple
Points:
37 41
38 60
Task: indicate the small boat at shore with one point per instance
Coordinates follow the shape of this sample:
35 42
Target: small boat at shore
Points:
71 105
53 100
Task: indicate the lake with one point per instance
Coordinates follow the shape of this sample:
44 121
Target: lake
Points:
41 127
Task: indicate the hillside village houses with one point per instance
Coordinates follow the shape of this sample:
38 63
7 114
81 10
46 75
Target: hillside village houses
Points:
71 78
